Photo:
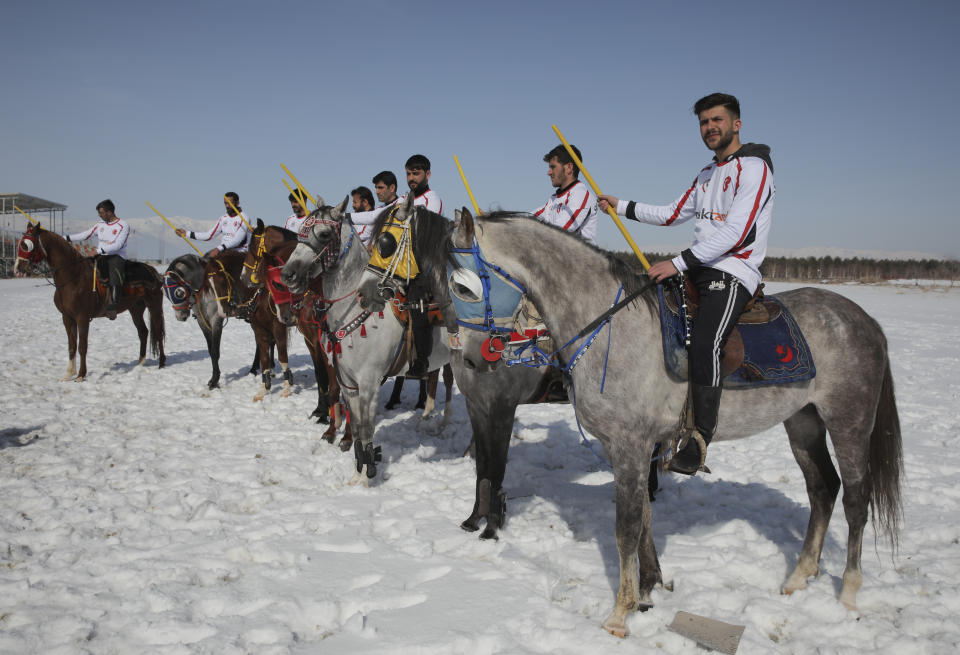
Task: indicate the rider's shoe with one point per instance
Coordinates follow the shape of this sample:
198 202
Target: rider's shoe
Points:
690 458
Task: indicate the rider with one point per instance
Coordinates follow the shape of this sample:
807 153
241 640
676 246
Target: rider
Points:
571 207
232 225
418 178
112 234
299 215
363 202
732 202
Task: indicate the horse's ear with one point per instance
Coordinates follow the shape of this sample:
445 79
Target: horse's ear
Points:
260 226
320 202
463 228
339 209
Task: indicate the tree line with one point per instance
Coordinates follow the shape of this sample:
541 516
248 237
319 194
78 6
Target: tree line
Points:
842 269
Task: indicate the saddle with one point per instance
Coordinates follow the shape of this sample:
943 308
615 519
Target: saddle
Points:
137 278
757 311
765 347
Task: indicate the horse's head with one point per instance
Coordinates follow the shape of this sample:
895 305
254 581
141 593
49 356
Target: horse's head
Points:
486 298
182 283
319 246
29 250
408 242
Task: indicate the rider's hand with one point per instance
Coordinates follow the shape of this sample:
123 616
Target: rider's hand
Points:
180 231
605 201
661 271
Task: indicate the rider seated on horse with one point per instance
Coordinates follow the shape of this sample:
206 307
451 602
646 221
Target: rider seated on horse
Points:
112 235
732 201
232 225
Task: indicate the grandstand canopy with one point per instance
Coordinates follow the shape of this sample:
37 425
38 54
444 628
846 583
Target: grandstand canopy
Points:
28 203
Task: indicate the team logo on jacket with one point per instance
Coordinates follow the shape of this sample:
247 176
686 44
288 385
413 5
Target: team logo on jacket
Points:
718 285
726 183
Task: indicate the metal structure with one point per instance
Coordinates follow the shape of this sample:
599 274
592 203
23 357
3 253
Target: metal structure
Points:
13 224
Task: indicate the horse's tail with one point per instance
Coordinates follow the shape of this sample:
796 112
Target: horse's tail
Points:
886 461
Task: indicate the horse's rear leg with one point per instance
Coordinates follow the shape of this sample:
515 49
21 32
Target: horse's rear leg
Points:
492 423
136 313
83 330
70 326
395 394
808 441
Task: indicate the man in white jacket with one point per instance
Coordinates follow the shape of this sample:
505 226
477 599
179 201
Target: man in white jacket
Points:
571 207
732 201
112 235
232 226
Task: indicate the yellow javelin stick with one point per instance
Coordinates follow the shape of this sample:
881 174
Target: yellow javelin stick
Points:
174 228
467 184
234 208
610 210
32 219
296 194
299 186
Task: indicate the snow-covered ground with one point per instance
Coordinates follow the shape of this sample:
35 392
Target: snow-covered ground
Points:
142 513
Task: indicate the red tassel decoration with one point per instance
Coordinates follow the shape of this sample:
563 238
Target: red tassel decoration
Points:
363 330
380 314
339 349
329 346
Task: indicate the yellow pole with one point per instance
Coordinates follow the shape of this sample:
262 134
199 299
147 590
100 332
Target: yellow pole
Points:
190 243
234 208
299 186
610 210
467 184
32 220
296 194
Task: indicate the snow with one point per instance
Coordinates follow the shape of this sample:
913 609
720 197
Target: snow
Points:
142 513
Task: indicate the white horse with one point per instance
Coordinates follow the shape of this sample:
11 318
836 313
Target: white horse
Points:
365 347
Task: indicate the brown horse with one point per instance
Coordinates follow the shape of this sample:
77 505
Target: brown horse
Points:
255 306
81 295
269 249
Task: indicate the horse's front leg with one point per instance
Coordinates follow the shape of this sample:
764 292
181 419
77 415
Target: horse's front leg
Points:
263 349
83 329
136 313
492 423
280 337
363 408
70 325
639 567
427 400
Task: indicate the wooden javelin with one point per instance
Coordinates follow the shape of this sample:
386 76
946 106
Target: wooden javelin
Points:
32 219
234 208
189 242
467 184
610 210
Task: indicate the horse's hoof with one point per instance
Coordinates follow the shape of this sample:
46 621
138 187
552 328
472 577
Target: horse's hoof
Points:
488 533
391 404
616 626
285 393
142 360
346 445
213 384
258 397
79 378
470 525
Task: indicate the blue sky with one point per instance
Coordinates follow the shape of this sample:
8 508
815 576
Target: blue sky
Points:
177 102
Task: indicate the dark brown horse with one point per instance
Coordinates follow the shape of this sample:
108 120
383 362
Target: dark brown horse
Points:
255 306
80 297
270 247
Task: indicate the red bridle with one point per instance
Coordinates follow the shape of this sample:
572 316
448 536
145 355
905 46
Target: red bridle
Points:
30 249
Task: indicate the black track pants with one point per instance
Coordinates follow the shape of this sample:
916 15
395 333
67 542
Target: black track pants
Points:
722 299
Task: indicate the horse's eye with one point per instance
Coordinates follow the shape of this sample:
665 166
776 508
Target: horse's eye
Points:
466 285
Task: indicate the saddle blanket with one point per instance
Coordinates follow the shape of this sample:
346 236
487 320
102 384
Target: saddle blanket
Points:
774 352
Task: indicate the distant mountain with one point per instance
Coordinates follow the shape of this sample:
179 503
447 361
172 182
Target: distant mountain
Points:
822 251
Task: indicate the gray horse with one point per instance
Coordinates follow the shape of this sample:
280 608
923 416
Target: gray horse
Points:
492 394
365 347
185 286
852 396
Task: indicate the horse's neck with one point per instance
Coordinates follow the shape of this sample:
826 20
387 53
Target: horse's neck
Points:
570 283
59 256
344 278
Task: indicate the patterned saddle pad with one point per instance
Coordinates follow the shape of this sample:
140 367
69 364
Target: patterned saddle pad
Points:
774 352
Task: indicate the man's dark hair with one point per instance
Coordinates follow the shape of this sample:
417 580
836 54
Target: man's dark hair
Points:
302 200
718 100
387 177
233 196
365 194
561 155
106 204
417 163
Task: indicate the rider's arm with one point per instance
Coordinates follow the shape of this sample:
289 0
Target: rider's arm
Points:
82 236
682 209
209 234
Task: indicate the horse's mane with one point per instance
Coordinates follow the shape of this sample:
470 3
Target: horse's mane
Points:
630 276
288 235
380 222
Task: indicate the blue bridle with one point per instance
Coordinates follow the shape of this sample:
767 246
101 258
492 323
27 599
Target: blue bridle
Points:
492 310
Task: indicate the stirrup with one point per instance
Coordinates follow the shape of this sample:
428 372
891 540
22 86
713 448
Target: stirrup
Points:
687 467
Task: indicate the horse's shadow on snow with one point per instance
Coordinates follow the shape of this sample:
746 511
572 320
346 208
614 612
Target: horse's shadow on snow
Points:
683 505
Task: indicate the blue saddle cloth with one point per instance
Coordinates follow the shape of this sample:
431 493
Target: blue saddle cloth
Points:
774 352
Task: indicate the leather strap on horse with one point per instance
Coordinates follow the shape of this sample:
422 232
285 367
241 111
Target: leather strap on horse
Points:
613 310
